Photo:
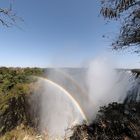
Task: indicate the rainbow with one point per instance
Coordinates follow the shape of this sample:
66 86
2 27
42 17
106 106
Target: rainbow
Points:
67 94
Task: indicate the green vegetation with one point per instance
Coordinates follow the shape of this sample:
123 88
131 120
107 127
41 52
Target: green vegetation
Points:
15 89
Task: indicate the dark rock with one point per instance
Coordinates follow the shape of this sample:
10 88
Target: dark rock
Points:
114 122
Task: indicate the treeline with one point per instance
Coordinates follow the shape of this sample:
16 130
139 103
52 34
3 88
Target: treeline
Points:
10 77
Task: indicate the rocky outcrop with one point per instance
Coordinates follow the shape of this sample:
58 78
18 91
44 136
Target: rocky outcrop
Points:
114 122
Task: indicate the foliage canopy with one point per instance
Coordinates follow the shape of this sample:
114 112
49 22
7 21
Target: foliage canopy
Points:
128 12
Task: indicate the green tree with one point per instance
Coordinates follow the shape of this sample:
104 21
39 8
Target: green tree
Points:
128 12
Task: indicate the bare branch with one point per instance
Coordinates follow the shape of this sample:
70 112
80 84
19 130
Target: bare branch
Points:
127 11
8 17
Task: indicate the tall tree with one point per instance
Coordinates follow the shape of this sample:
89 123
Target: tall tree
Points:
128 11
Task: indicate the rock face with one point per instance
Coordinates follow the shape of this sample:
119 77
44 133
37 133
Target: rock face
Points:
114 122
134 93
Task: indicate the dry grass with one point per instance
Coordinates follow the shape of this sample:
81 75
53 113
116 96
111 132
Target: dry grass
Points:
21 133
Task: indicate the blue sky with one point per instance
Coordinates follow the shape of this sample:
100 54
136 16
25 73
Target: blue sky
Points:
62 33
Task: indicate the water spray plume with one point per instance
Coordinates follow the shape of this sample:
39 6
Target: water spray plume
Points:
68 95
81 90
105 83
73 81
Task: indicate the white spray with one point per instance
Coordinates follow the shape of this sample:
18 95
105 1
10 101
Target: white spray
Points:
103 84
59 110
